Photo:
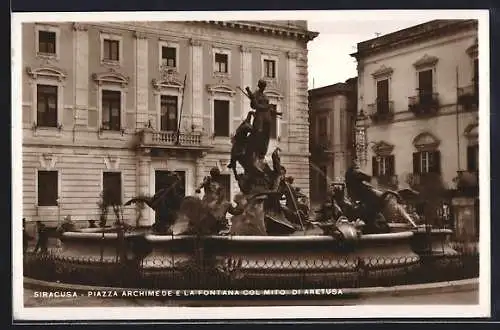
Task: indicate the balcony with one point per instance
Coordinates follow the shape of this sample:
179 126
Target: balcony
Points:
388 181
467 182
149 138
468 97
424 104
382 111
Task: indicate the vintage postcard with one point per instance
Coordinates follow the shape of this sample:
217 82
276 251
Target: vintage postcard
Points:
236 165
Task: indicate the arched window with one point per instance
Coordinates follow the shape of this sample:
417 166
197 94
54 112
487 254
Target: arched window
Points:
427 158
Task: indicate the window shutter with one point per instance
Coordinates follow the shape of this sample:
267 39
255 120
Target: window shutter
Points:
470 158
416 163
390 164
436 165
374 166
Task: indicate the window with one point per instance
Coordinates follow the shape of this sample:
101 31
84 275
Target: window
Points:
383 166
425 86
111 110
273 132
383 96
270 68
112 188
169 56
221 63
168 113
111 50
46 106
47 42
225 181
221 118
426 162
322 127
47 188
473 158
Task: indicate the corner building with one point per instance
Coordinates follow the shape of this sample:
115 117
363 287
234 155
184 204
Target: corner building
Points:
102 102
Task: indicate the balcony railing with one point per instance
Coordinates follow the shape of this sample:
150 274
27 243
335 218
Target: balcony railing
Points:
192 140
424 104
468 96
381 111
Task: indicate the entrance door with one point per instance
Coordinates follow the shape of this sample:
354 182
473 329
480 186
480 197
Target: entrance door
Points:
425 86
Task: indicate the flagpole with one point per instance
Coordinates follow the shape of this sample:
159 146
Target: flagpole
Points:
180 112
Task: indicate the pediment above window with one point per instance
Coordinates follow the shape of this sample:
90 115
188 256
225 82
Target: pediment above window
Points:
111 77
472 51
426 141
383 148
50 72
220 89
160 84
426 61
383 71
472 131
273 93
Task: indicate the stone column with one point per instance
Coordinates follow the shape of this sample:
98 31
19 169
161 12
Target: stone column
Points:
143 175
246 78
142 88
81 36
197 84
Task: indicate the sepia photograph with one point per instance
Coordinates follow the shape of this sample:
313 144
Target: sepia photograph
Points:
237 165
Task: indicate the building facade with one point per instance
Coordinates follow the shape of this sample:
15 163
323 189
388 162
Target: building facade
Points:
332 113
102 103
418 104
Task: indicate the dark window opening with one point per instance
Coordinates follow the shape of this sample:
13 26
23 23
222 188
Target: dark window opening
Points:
221 63
47 188
427 162
270 68
111 110
46 106
221 118
111 50
47 42
169 56
112 188
383 96
168 113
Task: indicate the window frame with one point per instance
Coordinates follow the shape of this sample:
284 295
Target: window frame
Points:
229 118
121 126
48 28
223 51
56 124
113 37
166 94
168 44
269 57
37 198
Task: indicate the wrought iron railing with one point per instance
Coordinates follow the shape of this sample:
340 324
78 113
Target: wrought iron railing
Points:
468 96
381 111
424 104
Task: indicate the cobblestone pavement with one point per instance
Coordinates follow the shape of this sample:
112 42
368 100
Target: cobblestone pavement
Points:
448 298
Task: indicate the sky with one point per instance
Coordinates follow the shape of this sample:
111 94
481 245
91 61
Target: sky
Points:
329 59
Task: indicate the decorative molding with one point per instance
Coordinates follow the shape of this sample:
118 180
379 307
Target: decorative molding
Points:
383 148
273 93
426 61
80 27
112 162
169 78
47 161
383 71
194 42
245 49
472 51
46 72
472 131
292 55
220 89
111 77
140 35
426 141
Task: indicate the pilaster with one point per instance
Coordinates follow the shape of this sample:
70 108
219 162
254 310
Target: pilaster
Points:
246 78
81 37
197 83
142 88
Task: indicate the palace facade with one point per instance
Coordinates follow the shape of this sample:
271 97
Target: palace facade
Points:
102 103
418 105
